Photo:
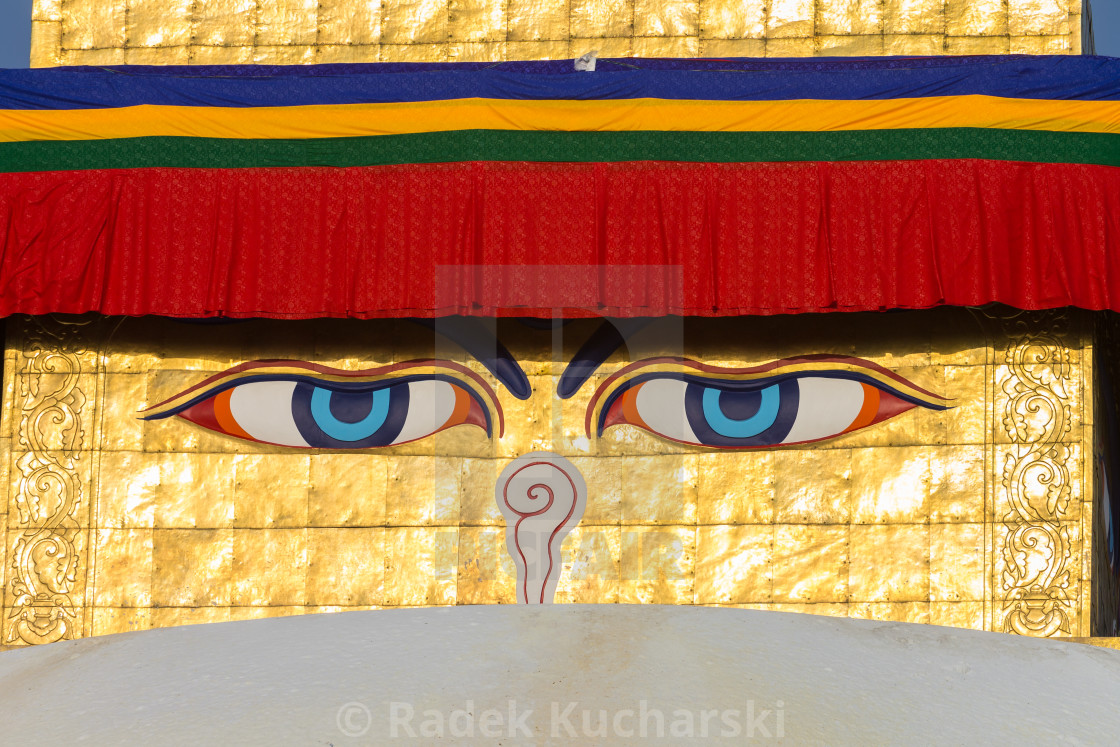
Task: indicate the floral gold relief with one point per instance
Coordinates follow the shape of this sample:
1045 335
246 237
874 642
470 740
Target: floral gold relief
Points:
1037 585
47 538
152 32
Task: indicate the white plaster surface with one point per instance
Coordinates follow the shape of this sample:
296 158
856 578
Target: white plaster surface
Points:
332 680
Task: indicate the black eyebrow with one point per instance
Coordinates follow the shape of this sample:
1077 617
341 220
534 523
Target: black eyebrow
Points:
604 341
480 342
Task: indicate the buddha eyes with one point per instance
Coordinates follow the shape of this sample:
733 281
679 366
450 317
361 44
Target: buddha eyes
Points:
790 402
303 406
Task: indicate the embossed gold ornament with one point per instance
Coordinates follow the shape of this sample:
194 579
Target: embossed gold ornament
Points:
1035 583
47 578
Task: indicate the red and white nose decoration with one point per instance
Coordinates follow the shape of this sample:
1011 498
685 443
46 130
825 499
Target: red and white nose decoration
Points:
543 496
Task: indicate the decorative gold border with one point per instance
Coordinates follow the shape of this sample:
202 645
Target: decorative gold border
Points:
49 577
1035 586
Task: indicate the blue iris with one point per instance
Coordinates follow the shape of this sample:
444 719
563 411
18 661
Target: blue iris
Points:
751 412
347 418
735 415
349 424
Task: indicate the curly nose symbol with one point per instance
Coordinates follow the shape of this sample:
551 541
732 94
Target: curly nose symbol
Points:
542 496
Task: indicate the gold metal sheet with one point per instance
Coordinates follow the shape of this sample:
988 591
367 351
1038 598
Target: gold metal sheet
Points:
957 484
890 485
345 566
913 16
476 21
166 617
596 19
192 568
710 48
157 56
734 564
790 18
1042 45
485 573
659 490
810 563
108 620
123 576
95 25
657 565
347 490
735 488
607 491
850 46
257 613
46 10
974 45
964 423
350 22
271 490
1039 17
347 53
147 24
407 22
956 562
305 31
195 491
667 18
423 491
911 612
592 559
976 18
283 23
828 609
732 19
215 55
123 395
476 52
957 614
850 18
477 506
269 567
889 563
536 20
821 492
129 490
420 565
46 43
676 46
223 23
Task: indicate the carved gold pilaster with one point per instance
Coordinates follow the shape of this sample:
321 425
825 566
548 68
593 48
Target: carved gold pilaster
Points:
1036 585
45 529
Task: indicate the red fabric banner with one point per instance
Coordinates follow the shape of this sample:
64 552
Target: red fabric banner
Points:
427 240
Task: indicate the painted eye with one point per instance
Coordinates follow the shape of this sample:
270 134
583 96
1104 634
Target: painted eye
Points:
763 412
343 411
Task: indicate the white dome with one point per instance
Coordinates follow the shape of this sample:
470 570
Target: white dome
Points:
546 673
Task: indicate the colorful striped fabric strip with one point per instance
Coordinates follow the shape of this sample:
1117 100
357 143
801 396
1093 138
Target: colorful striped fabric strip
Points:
1056 77
748 186
618 239
554 147
629 115
1033 109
